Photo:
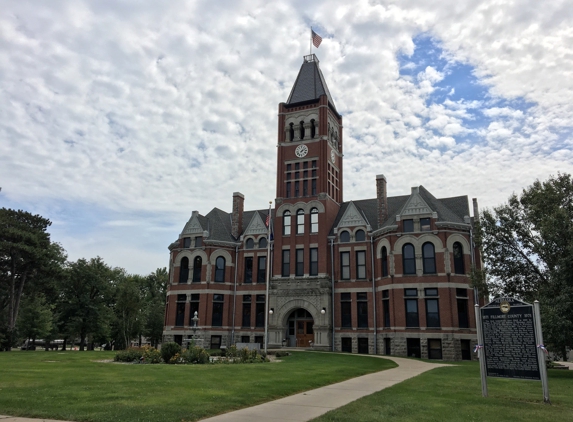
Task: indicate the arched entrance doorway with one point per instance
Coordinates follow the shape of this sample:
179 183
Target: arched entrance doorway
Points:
300 328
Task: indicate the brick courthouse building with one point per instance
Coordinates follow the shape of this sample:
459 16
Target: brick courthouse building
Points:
388 275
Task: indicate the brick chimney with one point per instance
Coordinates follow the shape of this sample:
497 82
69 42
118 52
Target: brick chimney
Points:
237 216
382 196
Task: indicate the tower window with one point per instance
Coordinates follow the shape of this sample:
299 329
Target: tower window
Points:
305 187
288 189
291 132
312 129
301 129
458 259
184 270
313 186
296 189
300 222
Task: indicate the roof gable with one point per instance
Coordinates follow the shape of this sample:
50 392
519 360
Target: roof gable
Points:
193 226
415 205
256 226
352 217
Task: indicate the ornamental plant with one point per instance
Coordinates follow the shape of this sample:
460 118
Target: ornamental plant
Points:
168 350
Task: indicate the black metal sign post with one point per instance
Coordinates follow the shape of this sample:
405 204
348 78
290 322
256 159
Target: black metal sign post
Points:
511 342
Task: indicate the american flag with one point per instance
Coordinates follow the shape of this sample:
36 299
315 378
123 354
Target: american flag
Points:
316 39
268 221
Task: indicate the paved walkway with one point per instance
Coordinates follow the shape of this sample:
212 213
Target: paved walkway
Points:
311 404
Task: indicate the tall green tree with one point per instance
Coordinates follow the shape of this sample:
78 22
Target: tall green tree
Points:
35 319
86 296
527 246
27 255
129 308
156 290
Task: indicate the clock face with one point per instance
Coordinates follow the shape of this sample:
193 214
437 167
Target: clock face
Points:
332 155
301 151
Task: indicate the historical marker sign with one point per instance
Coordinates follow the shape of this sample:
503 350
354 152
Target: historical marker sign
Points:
509 339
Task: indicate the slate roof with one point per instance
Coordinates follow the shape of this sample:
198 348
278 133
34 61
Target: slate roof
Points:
309 84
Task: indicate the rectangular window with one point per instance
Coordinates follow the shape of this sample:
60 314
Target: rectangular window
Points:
463 318
362 309
288 189
313 164
299 272
286 263
345 265
411 292
313 261
363 345
305 187
296 166
193 308
434 349
259 339
246 311
260 317
313 186
296 175
413 348
296 189
289 167
305 174
288 175
180 315
186 242
198 241
245 339
345 310
386 307
432 313
305 165
462 292
215 342
248 269
262 269
412 313
408 226
217 317
431 292
425 224
346 344
361 264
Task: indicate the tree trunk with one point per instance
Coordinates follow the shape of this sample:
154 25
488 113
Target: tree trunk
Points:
64 345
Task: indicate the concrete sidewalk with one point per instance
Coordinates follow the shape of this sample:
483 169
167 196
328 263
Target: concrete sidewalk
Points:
311 404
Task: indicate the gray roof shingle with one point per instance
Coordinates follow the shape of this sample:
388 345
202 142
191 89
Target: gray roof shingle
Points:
309 84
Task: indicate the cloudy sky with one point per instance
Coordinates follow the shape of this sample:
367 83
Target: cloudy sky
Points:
118 118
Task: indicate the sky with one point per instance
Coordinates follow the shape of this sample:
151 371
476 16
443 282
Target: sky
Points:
119 118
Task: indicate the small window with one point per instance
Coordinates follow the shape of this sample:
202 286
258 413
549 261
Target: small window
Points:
217 315
248 270
412 313
262 270
186 242
408 226
198 241
286 263
411 292
360 236
313 261
286 223
262 243
250 243
288 189
344 237
432 313
462 292
314 220
345 265
345 310
425 224
300 222
430 292
220 269
299 269
360 265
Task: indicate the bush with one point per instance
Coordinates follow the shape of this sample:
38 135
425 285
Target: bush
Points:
169 350
133 354
151 355
232 352
195 355
281 354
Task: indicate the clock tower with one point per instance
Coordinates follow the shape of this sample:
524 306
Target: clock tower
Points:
309 165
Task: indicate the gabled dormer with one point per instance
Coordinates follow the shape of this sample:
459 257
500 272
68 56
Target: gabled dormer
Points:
256 226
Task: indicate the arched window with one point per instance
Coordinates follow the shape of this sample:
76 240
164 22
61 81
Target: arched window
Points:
184 270
291 132
429 258
249 244
344 237
262 242
314 220
301 130
360 236
300 222
197 263
409 259
459 259
220 269
312 129
286 223
384 261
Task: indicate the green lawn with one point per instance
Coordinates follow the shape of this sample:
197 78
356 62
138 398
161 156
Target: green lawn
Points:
73 386
454 394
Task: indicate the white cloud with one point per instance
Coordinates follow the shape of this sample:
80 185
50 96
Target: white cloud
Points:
161 109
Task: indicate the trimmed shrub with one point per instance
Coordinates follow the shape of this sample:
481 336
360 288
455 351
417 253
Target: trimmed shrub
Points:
195 355
169 350
151 355
132 354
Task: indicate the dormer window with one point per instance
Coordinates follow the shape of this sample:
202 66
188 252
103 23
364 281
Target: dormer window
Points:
198 241
360 236
408 226
186 242
425 224
344 237
249 244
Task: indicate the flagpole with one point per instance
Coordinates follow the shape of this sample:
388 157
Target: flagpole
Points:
267 280
310 47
